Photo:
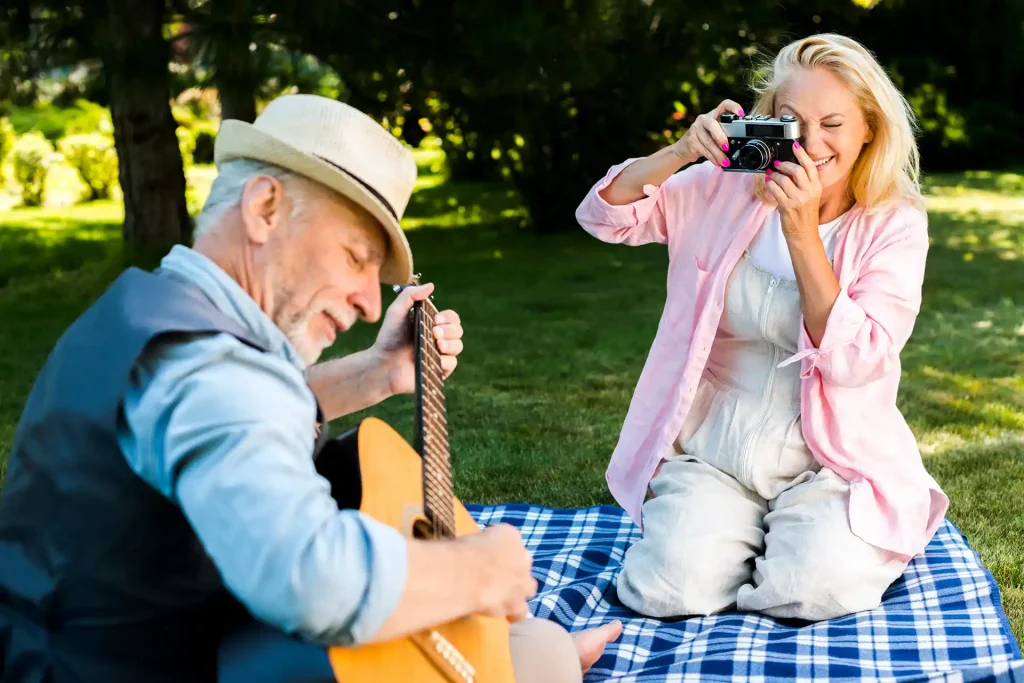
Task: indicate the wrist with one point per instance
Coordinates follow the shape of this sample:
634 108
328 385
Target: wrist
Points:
476 583
381 366
680 154
803 240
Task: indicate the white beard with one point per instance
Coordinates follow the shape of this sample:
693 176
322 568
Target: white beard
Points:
297 332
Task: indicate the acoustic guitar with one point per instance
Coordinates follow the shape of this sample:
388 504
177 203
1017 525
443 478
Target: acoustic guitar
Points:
410 489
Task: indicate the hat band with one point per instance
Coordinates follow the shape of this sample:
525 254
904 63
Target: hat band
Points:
369 188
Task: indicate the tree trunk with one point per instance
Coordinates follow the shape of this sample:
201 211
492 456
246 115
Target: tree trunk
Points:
152 175
236 99
235 72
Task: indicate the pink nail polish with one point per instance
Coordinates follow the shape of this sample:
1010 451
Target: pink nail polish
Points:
725 163
777 162
741 113
796 143
725 146
768 171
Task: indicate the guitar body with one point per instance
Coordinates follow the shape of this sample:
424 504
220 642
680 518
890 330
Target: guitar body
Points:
474 648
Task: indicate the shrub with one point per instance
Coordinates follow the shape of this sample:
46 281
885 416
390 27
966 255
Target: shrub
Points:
32 154
6 139
94 157
92 119
56 122
186 145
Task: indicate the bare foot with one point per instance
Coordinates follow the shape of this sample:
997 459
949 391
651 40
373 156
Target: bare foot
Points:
590 643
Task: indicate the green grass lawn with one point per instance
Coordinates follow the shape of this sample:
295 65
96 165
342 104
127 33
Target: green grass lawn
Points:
558 328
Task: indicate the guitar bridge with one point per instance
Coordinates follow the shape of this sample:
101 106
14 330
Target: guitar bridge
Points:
445 656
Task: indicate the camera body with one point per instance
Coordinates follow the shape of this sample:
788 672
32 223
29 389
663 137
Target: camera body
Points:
756 142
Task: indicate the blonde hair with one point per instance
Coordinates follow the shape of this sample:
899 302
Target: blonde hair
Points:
888 168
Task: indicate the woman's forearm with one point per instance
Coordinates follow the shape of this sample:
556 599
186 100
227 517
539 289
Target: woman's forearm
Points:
818 285
655 169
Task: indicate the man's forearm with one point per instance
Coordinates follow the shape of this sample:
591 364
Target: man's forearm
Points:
349 384
444 581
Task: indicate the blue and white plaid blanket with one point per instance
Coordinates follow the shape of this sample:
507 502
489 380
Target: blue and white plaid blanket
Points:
942 621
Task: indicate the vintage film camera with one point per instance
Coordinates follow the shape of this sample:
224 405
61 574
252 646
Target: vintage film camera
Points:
756 142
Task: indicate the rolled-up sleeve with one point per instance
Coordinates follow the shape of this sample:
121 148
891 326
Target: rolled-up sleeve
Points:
647 220
872 319
226 432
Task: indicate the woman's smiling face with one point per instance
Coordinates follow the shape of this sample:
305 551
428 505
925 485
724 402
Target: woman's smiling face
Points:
833 129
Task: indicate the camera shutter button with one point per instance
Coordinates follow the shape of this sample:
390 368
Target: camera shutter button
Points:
788 118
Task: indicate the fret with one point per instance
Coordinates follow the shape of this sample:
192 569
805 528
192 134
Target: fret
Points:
432 424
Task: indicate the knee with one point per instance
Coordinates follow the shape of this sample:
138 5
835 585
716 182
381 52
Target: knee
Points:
543 651
660 584
818 589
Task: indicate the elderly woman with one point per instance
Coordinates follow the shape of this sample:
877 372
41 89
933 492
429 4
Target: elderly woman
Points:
782 477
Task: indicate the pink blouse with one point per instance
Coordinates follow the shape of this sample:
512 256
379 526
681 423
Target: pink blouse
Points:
707 218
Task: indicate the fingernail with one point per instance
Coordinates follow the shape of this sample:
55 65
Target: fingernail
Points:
725 146
796 143
725 162
777 162
741 113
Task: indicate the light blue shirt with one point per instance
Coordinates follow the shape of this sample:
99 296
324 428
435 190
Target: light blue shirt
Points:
226 432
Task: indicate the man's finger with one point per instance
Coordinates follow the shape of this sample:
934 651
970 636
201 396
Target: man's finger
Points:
448 331
418 292
450 347
405 299
447 317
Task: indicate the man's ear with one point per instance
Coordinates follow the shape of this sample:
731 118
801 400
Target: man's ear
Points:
263 207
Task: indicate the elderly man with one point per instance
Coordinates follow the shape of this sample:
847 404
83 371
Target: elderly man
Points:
162 489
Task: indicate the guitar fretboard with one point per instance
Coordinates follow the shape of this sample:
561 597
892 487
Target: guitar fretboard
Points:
432 423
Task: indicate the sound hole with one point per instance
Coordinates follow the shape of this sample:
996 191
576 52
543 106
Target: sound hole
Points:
422 529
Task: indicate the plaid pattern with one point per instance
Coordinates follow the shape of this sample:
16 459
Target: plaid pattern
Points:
942 621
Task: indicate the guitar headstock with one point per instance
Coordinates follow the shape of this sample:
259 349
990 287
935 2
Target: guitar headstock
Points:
414 282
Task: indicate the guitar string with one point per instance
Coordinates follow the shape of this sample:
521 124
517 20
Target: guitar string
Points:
437 486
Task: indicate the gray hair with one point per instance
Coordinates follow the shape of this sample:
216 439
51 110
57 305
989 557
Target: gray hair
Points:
226 191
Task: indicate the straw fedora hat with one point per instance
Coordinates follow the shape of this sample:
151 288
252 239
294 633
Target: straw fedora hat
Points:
337 146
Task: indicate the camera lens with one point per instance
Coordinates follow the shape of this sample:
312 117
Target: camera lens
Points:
754 156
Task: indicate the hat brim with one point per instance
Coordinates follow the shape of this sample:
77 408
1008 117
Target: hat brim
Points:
241 140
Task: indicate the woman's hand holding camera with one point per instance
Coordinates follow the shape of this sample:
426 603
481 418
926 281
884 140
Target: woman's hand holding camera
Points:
705 138
797 192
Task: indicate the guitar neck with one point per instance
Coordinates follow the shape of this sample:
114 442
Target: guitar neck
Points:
432 425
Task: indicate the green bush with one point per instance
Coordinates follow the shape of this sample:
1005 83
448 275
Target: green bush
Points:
94 157
92 119
6 139
32 155
56 122
205 135
186 144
